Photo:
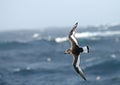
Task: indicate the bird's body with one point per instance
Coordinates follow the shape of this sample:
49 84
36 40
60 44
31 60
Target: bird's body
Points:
75 51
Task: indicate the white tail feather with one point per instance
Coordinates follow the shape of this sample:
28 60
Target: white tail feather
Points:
85 49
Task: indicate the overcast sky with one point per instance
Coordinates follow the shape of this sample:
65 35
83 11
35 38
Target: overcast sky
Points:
29 14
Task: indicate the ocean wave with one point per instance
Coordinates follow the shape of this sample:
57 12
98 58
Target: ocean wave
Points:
105 67
23 44
25 71
90 35
12 44
38 68
37 39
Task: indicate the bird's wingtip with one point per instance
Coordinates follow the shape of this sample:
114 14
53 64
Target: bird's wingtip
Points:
76 23
85 79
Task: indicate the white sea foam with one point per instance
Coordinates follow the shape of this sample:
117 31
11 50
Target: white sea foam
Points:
113 56
89 35
36 35
28 68
95 34
49 59
98 77
17 69
61 39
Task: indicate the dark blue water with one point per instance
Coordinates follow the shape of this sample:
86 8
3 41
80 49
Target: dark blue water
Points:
37 57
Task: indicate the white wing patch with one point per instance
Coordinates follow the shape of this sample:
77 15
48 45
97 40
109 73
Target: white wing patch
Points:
74 39
78 63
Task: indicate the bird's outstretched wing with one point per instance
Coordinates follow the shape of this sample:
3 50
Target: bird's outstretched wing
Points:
71 37
77 68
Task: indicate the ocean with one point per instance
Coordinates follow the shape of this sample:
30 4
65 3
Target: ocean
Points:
36 57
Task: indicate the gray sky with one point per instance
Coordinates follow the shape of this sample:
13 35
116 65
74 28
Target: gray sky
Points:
22 14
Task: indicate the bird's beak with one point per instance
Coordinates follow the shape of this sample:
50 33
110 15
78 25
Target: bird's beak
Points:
65 52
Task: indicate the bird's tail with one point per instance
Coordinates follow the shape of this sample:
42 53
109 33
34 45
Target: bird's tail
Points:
85 49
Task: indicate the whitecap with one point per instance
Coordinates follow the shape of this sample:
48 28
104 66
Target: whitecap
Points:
90 35
49 59
113 56
95 34
35 35
28 68
17 70
61 39
98 77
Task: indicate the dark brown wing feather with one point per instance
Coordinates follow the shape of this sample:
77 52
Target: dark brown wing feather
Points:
76 66
71 37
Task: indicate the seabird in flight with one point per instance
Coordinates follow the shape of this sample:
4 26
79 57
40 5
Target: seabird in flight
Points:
75 51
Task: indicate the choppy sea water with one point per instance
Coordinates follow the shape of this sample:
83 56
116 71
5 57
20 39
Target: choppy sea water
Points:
37 57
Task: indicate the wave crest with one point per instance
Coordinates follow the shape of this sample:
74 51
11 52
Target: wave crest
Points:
89 35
